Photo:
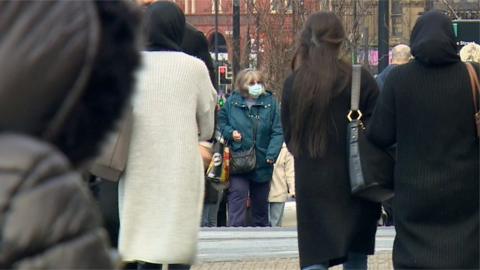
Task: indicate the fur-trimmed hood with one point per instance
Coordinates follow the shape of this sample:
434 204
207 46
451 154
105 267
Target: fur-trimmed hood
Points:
66 70
47 59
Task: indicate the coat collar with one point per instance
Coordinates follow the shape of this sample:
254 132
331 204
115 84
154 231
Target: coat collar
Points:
263 100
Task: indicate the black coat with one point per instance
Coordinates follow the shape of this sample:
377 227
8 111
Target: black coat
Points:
330 221
426 108
383 75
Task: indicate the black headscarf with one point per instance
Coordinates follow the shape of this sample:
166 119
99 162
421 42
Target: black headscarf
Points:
164 26
433 41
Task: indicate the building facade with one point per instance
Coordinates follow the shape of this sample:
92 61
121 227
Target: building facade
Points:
268 28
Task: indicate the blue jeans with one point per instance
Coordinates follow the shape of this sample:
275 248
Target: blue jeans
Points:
209 215
276 213
355 261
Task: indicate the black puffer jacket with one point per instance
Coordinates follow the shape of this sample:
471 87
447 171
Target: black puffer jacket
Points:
47 216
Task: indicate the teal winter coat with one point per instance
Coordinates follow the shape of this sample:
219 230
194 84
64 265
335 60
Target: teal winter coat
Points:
235 115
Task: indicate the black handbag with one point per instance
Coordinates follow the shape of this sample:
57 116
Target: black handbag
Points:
370 167
245 161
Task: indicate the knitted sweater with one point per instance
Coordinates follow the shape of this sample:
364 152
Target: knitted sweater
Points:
161 195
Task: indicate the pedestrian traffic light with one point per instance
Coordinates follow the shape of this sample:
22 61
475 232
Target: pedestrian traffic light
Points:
229 72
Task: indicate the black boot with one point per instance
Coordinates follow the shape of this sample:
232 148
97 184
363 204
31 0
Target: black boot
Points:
149 266
178 267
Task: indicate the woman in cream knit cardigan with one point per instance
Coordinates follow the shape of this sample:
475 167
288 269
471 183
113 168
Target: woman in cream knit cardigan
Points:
161 195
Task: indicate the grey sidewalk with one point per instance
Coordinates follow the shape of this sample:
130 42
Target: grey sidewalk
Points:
269 248
381 261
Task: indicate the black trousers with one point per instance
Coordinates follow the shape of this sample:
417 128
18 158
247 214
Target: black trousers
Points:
106 194
387 206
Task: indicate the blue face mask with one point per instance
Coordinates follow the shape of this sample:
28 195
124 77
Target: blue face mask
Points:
255 90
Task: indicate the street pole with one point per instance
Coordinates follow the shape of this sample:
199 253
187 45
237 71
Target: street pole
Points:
383 34
367 47
294 16
216 46
355 33
236 37
428 5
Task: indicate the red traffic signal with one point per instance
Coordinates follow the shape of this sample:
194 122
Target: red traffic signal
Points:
222 75
222 70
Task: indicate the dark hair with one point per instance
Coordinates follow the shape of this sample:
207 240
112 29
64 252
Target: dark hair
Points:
110 86
295 63
320 77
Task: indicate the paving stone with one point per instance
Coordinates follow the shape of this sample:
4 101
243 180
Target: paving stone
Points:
270 248
380 261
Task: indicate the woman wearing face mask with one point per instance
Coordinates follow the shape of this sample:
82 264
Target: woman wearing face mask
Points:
250 108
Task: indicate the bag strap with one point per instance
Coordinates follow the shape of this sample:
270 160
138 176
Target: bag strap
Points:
475 85
255 125
355 98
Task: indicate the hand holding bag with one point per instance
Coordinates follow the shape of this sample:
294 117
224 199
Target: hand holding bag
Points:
245 161
370 168
218 172
205 149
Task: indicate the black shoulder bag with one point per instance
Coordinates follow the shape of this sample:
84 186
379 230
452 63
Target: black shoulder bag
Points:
245 161
370 168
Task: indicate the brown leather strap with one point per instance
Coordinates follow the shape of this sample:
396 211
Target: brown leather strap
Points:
474 84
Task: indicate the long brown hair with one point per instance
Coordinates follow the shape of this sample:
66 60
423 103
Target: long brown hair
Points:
320 77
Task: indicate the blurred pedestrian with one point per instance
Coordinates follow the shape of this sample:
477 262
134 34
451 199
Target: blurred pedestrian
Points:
427 109
251 118
400 55
333 227
470 53
282 186
63 84
195 44
161 195
212 195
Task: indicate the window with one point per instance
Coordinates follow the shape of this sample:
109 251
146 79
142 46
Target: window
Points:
397 18
281 6
220 10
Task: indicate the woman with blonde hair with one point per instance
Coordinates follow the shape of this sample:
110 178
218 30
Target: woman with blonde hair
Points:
251 118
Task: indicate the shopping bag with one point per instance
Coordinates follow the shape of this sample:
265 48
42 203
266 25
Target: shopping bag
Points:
218 171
